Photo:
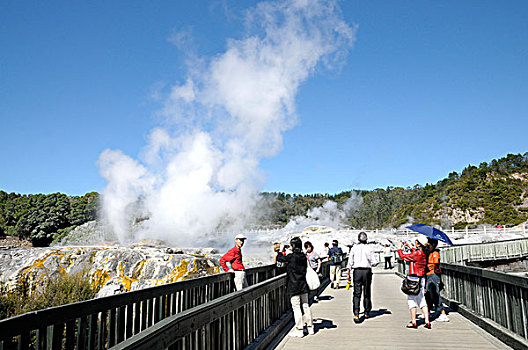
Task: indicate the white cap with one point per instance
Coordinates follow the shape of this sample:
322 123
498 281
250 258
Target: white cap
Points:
422 239
240 236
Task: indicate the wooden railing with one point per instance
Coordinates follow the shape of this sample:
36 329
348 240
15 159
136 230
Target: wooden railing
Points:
235 321
510 249
492 296
495 301
104 322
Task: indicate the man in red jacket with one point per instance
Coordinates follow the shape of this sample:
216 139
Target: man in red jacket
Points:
234 258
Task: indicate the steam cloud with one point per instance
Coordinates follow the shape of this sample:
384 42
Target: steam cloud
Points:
327 215
200 172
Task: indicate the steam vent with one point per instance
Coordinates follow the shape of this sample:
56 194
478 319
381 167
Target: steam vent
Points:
111 270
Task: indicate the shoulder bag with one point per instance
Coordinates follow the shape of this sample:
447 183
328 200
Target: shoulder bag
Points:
312 279
411 286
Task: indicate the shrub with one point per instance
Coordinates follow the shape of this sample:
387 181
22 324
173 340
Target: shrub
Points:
58 290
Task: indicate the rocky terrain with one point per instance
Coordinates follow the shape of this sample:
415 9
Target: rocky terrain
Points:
111 270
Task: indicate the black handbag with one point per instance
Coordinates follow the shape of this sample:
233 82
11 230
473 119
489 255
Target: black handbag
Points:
411 287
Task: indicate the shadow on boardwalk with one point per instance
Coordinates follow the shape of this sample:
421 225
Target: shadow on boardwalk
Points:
385 329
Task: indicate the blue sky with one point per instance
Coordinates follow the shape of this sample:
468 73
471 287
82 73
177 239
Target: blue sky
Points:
429 87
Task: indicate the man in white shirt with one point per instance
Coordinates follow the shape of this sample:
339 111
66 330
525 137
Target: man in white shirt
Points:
361 259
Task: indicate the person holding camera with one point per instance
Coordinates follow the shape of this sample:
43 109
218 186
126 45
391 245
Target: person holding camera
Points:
297 287
417 268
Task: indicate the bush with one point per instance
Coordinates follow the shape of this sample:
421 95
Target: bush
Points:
58 290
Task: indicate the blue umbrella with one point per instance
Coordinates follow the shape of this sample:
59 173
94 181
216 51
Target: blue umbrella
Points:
431 232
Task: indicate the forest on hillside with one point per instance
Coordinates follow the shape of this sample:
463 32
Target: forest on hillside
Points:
495 192
492 193
42 218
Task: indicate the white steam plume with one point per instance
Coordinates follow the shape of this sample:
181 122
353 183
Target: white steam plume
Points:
329 214
201 172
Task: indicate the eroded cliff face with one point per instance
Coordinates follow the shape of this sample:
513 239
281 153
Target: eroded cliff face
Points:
112 270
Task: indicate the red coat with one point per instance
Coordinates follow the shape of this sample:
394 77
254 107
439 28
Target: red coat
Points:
418 265
233 256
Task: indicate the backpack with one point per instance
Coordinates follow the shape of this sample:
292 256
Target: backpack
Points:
337 256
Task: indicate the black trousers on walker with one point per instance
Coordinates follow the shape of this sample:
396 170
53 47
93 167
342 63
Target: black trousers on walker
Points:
362 283
388 264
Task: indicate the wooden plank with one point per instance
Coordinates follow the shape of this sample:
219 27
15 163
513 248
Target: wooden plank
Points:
120 324
92 331
111 327
102 331
41 339
129 324
56 336
81 339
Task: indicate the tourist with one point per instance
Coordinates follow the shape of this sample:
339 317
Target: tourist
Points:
434 280
326 249
276 251
417 267
297 288
234 258
335 254
361 260
387 255
315 263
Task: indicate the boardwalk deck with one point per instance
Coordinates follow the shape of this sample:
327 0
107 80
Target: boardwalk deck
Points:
334 328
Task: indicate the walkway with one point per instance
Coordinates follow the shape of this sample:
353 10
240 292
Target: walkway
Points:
334 328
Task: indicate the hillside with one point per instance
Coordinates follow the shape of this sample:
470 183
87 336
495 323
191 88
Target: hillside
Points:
488 194
492 193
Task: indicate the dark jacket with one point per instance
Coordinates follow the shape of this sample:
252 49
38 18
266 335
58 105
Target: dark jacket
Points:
296 265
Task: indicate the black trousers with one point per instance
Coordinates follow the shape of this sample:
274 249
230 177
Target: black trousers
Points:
388 264
362 283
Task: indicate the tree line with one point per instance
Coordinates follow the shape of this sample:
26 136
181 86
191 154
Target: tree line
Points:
41 218
495 192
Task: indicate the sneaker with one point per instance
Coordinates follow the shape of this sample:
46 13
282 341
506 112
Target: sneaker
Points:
443 318
356 318
412 325
298 333
428 325
367 315
311 330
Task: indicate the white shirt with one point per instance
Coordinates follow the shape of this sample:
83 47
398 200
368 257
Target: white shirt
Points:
387 252
362 255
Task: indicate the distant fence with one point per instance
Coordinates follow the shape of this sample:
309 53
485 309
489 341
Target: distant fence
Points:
502 250
495 301
104 322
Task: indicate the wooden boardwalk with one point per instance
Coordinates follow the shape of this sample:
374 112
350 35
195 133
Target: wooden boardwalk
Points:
334 328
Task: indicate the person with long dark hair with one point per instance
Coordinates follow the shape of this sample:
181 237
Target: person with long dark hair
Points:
297 287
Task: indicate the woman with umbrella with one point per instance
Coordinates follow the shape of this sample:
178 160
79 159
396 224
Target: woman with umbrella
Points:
417 268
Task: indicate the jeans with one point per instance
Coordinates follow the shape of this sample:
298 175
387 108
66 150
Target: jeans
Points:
433 289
